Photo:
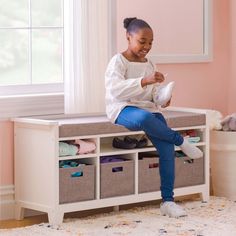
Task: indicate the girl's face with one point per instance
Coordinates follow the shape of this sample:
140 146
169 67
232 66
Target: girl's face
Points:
139 44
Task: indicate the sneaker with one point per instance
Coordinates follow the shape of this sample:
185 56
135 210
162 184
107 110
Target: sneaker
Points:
165 93
171 209
120 143
142 143
190 150
139 143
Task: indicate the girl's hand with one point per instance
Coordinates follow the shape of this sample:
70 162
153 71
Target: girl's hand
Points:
156 77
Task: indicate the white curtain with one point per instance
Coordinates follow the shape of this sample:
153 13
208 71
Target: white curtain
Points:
86 52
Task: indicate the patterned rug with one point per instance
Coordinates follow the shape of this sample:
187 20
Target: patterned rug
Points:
214 218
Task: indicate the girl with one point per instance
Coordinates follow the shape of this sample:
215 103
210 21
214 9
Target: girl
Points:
131 91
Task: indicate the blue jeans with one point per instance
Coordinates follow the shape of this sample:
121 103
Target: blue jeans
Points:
163 138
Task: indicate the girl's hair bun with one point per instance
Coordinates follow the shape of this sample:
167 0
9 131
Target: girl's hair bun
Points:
127 21
133 24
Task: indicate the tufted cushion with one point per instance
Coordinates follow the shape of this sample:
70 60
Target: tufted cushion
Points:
101 125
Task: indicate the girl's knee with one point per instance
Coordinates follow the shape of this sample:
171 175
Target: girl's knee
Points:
160 117
145 117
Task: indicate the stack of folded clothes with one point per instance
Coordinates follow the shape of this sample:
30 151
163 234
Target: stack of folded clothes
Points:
113 158
76 147
69 164
191 135
129 142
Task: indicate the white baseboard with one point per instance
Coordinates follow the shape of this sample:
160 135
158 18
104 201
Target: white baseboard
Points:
7 204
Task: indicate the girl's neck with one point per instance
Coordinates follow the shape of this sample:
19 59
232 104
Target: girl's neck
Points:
132 58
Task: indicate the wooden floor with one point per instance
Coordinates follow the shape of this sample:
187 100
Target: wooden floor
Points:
8 224
27 221
43 218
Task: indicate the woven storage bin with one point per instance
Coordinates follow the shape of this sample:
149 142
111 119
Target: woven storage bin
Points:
148 175
189 172
75 189
117 178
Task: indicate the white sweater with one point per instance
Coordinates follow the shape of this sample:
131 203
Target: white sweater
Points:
123 86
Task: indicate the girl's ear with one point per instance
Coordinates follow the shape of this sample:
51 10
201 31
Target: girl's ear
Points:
128 36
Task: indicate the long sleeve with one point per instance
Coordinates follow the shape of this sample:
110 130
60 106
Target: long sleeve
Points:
120 87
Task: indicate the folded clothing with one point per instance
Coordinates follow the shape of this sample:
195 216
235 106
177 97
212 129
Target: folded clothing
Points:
114 158
66 149
85 146
69 163
76 147
194 139
191 135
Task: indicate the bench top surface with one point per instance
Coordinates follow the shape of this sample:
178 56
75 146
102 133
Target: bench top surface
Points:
101 125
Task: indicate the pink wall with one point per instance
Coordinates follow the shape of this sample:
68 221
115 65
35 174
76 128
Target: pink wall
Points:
232 80
6 153
201 85
167 20
205 85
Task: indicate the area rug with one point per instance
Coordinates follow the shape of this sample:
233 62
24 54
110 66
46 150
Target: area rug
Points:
214 218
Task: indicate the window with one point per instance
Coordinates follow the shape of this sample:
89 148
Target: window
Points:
31 39
33 59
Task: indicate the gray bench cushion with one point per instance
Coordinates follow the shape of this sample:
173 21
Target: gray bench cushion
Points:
101 125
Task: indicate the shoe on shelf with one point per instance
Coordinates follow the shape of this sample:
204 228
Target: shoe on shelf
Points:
139 143
171 209
120 143
142 143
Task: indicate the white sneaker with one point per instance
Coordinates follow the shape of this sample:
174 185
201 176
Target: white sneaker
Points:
171 209
164 93
190 150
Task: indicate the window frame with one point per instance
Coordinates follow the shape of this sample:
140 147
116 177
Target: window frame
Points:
30 99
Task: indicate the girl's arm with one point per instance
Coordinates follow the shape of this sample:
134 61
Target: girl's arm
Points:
156 77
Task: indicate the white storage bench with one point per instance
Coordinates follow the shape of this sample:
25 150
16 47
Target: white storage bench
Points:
41 185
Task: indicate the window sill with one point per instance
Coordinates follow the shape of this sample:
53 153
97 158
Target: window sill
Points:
31 105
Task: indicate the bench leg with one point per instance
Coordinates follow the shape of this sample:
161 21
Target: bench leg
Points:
204 196
55 217
19 212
